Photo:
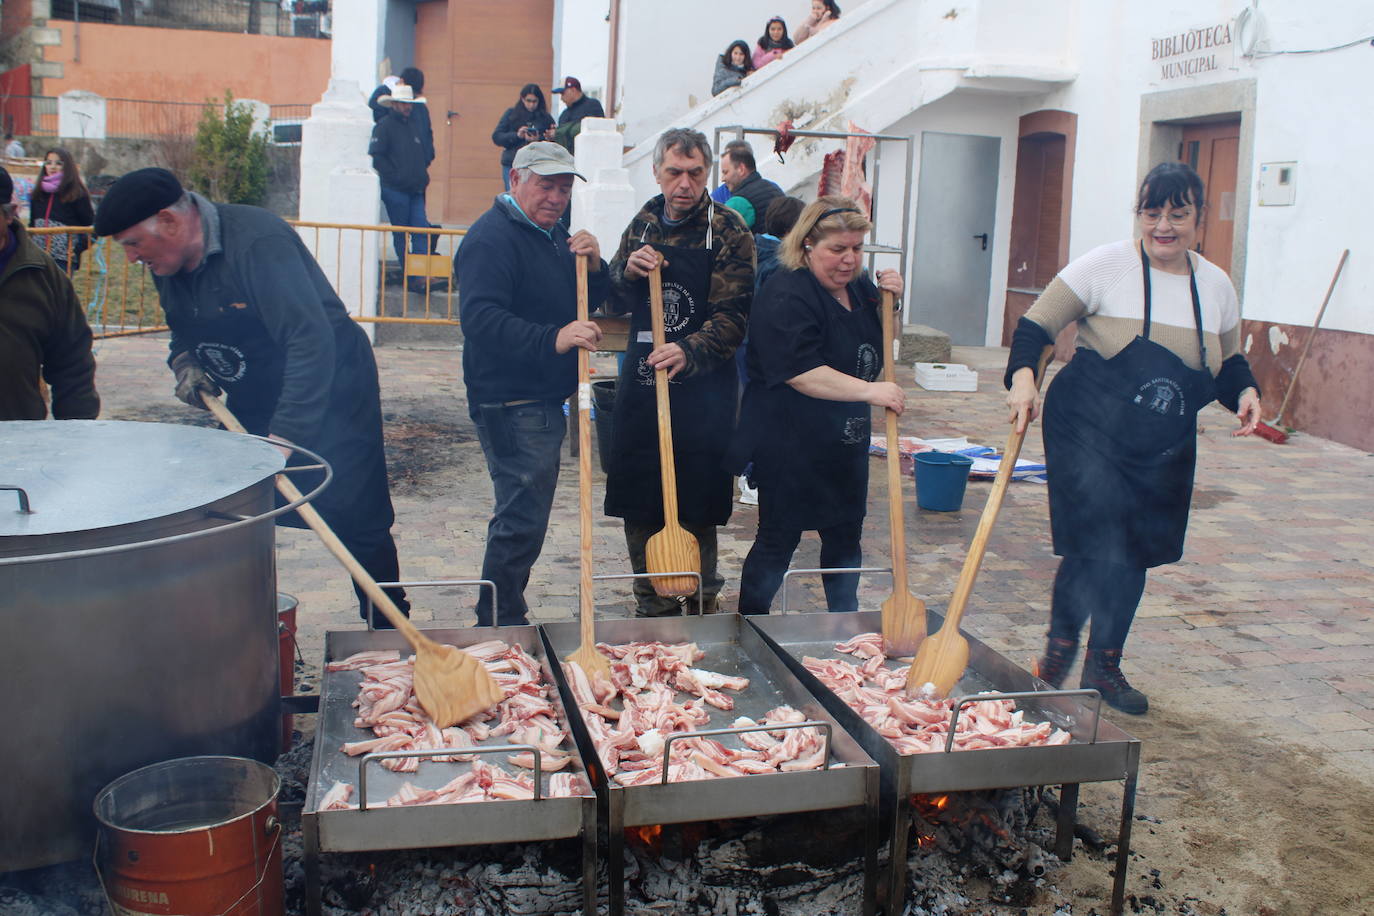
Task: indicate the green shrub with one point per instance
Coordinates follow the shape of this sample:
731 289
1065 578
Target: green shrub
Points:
229 163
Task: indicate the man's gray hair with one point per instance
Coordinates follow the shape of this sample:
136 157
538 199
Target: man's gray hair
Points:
524 174
684 140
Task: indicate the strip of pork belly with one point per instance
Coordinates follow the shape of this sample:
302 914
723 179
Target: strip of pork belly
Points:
488 651
716 680
566 785
759 741
359 660
375 745
336 799
865 645
511 788
548 763
579 684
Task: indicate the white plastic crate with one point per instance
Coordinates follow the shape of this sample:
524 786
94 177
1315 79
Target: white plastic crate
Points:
946 377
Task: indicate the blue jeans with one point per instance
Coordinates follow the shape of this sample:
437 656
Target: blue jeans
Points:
771 554
522 446
406 209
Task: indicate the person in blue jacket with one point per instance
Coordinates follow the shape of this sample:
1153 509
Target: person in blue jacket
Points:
517 285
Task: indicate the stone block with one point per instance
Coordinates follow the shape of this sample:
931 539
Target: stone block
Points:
923 344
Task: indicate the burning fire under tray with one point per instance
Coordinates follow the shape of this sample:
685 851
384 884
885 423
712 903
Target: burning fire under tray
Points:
370 828
1098 751
731 648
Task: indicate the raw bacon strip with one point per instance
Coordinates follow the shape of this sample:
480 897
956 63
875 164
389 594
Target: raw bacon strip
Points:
360 660
336 799
920 724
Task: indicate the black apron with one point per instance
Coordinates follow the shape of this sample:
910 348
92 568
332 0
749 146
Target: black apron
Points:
1121 447
810 455
703 407
236 350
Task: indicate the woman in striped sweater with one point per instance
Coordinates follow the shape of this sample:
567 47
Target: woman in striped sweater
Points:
1158 339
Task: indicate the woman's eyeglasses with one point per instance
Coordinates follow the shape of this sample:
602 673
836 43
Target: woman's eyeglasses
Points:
1175 218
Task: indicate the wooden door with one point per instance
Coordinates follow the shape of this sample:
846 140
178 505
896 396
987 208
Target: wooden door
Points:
476 55
1213 150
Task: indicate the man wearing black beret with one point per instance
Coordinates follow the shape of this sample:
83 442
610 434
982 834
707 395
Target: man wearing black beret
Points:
252 313
43 329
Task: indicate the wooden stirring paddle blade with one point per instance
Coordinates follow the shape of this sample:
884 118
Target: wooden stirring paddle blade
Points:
943 657
451 685
674 549
903 614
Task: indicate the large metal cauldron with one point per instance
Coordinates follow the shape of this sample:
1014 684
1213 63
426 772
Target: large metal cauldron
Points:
119 652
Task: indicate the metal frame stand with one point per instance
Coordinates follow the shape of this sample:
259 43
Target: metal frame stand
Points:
310 831
901 817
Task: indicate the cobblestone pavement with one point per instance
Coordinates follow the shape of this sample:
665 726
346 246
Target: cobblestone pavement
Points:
1268 620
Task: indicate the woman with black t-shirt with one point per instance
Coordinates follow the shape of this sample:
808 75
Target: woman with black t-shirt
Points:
815 355
60 199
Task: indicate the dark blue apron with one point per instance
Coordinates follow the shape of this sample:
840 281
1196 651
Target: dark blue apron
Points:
1121 447
703 407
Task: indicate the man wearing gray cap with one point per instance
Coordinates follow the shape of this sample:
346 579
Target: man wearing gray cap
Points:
517 287
252 313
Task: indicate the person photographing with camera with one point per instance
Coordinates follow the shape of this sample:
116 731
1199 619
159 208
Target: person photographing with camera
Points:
525 122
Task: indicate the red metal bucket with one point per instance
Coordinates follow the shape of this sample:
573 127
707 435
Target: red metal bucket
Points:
198 836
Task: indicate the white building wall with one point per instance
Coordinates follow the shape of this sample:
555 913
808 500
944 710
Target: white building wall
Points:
1310 108
581 46
669 53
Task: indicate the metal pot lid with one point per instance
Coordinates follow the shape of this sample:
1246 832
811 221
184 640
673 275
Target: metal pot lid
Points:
83 475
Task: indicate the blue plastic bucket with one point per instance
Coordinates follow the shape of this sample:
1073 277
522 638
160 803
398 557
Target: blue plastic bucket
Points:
940 480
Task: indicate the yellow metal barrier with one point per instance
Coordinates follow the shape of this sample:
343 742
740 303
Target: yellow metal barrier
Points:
119 297
121 300
419 290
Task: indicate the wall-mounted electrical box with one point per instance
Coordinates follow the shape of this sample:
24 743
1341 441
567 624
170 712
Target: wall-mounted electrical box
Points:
1278 184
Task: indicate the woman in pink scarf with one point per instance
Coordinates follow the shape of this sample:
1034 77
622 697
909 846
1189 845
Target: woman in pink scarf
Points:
60 199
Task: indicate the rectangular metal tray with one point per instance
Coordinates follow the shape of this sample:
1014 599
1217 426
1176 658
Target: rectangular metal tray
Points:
1098 752
423 825
731 647
1110 756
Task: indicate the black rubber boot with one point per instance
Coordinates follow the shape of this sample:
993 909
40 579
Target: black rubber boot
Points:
1102 672
1054 665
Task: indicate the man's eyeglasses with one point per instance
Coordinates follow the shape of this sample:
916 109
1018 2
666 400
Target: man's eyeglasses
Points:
1176 218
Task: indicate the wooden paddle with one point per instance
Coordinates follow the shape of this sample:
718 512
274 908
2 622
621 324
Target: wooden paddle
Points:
944 655
592 662
674 549
904 615
451 685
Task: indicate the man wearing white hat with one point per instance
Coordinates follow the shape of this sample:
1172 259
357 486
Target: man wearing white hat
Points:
401 158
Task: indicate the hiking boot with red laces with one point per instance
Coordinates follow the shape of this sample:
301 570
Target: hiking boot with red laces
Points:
1102 672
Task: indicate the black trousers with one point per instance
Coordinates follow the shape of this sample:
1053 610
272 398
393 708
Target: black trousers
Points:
1105 593
772 553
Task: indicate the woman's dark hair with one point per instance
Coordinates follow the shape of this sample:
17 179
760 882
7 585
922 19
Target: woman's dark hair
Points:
70 188
781 215
413 77
534 90
743 46
768 44
833 7
1171 184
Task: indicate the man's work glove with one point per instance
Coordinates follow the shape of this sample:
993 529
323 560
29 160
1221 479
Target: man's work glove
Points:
192 379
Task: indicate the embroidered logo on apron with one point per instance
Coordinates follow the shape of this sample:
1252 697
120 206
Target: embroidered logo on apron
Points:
855 431
678 307
866 366
1163 396
225 361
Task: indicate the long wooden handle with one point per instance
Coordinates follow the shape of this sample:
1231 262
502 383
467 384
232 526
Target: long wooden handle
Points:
331 540
1302 358
666 467
964 587
584 463
896 518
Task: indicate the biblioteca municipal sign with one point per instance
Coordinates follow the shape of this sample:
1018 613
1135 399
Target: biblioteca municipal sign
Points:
1192 52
